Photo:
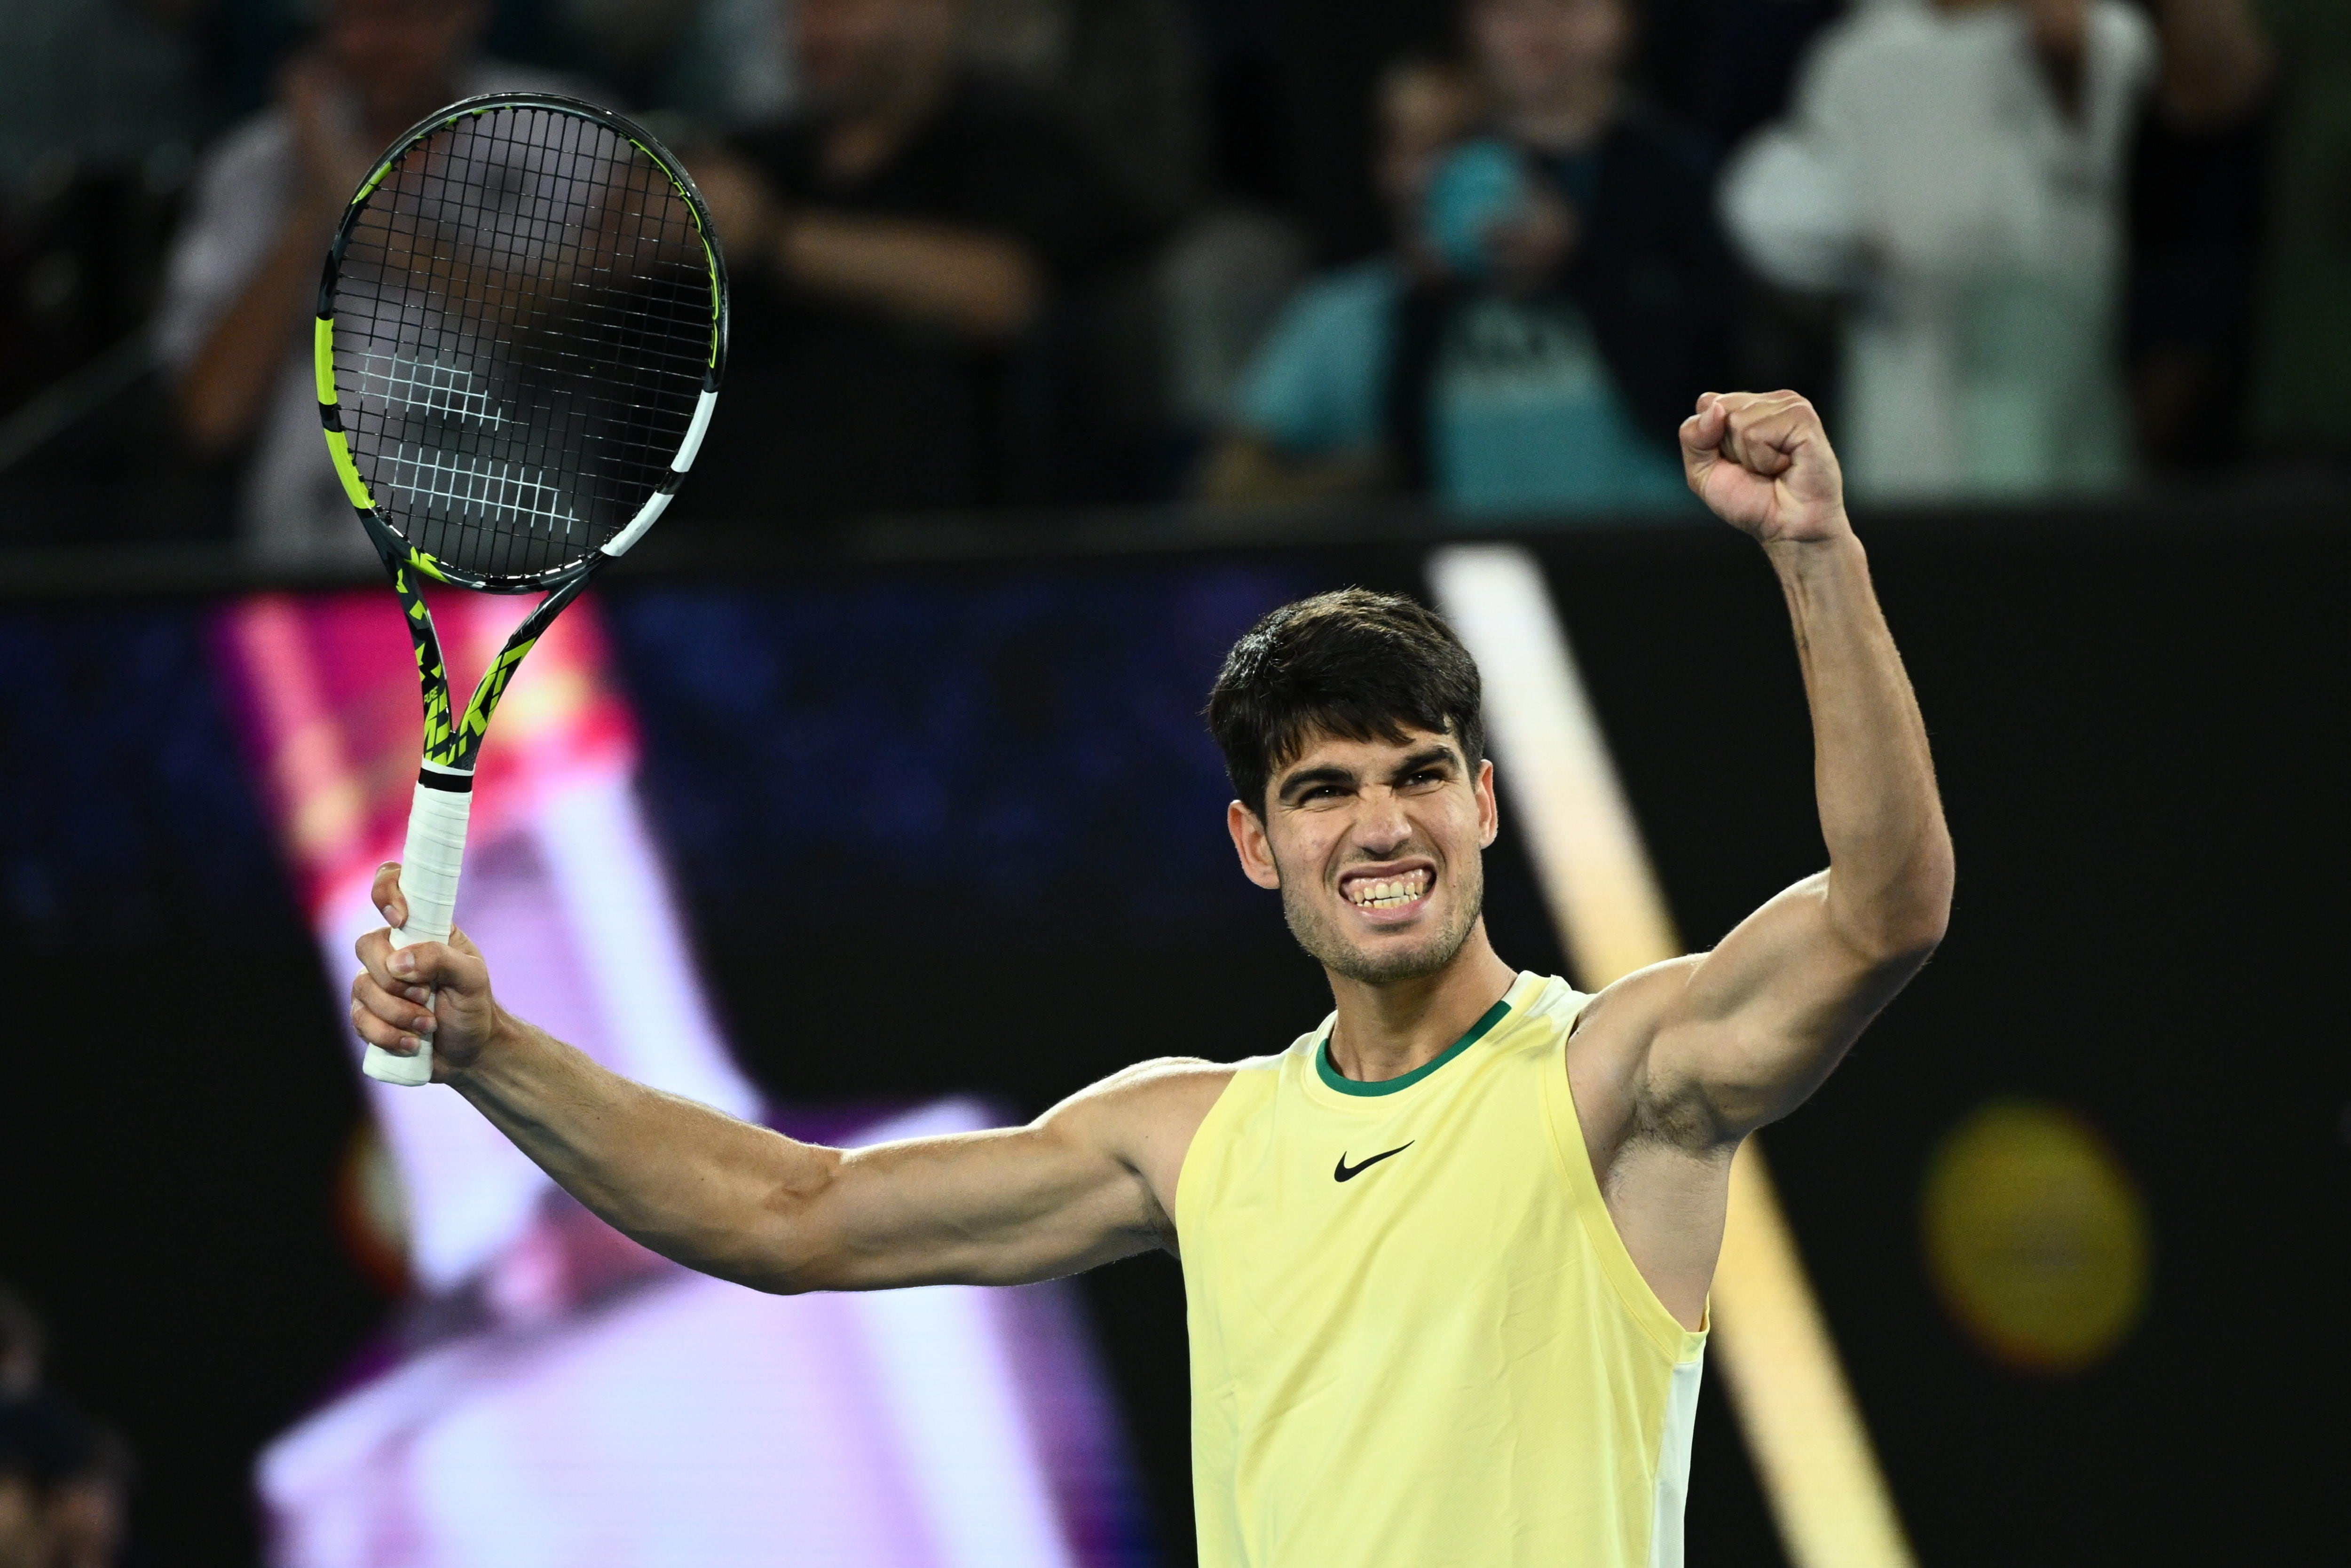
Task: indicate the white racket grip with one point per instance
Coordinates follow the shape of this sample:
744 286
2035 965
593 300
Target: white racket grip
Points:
428 880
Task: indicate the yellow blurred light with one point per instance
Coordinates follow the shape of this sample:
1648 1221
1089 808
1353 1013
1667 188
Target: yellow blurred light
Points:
2036 1237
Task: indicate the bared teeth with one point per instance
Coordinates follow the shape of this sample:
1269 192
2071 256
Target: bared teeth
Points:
1388 892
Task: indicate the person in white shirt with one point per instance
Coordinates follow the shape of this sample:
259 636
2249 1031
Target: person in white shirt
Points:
1957 169
234 328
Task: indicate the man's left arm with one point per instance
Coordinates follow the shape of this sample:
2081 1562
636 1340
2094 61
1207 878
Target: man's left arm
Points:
1741 1035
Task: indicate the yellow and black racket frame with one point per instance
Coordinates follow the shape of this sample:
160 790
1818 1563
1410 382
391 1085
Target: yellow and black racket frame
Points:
451 746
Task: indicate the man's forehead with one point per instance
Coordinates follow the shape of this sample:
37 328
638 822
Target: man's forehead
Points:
1323 748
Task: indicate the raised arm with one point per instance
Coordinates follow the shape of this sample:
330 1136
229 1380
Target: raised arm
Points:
1736 1038
1090 1181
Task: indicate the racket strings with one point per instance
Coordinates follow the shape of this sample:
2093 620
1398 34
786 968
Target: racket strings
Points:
523 317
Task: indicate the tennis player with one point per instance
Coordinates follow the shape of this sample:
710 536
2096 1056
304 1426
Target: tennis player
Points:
1447 1257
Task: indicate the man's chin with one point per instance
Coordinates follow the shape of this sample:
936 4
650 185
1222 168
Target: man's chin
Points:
1381 958
1386 963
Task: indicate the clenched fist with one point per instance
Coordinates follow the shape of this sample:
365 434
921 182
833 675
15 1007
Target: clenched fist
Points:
1762 461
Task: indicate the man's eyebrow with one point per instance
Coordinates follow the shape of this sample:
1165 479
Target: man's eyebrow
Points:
1314 777
1427 756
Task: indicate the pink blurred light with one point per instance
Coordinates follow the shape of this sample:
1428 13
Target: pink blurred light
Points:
555 1394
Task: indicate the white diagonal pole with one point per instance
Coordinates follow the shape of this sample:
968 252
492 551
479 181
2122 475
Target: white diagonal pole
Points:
1801 1426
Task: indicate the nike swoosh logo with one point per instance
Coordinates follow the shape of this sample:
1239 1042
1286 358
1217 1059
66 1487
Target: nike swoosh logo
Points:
1346 1172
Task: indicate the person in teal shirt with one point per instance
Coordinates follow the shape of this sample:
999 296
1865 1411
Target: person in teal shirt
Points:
1555 301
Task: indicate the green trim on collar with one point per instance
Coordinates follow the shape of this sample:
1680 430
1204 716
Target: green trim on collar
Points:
1477 1032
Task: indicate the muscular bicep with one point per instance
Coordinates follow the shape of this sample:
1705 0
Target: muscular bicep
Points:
1743 1034
1002 1207
1079 1186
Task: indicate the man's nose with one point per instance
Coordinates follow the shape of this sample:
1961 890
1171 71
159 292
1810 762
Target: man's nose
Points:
1383 829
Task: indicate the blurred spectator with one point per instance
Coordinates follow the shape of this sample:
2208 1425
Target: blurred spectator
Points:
1957 170
2199 213
901 252
1311 414
62 1481
98 118
2299 409
725 62
62 1477
234 323
1222 285
1124 72
1555 297
1136 359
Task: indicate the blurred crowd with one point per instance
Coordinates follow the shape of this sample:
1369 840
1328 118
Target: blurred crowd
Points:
62 1477
1006 253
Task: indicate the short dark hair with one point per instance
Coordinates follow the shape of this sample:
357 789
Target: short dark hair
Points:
1358 665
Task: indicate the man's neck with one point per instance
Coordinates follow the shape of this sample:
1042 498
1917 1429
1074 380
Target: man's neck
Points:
1386 1031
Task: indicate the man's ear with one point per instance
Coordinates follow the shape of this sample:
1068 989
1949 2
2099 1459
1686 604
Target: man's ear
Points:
1490 813
1251 843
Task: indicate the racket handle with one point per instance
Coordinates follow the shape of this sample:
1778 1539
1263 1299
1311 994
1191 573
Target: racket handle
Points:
428 878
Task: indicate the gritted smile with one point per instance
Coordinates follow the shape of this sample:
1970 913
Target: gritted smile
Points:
1394 891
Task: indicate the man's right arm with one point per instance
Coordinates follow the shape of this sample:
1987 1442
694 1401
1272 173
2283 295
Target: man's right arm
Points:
1090 1181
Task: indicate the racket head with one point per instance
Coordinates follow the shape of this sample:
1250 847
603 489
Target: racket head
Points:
521 329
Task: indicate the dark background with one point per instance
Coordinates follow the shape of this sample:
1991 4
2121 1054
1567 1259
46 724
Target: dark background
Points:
955 828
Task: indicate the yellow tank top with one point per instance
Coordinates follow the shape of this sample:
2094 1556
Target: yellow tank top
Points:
1417 1341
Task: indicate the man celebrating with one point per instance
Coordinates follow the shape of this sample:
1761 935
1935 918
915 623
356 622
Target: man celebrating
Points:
1447 1257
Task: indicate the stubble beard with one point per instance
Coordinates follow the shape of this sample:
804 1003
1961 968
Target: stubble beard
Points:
1309 924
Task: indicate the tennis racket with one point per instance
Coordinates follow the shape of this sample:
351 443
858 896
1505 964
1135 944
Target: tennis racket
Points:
522 328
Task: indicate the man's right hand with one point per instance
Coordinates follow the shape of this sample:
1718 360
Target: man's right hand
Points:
389 997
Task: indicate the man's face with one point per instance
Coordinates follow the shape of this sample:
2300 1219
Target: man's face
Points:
1424 110
860 54
1533 50
400 53
1375 846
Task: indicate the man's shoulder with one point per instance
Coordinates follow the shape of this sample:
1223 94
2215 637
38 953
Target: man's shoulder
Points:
1180 1077
1184 1087
1145 1115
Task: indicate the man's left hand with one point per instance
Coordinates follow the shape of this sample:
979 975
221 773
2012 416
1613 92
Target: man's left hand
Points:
1762 461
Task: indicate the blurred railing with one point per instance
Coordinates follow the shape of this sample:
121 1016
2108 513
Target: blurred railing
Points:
2169 518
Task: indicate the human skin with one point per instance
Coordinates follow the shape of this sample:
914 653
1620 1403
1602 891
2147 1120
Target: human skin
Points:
1552 68
392 59
1671 1067
875 71
1551 65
